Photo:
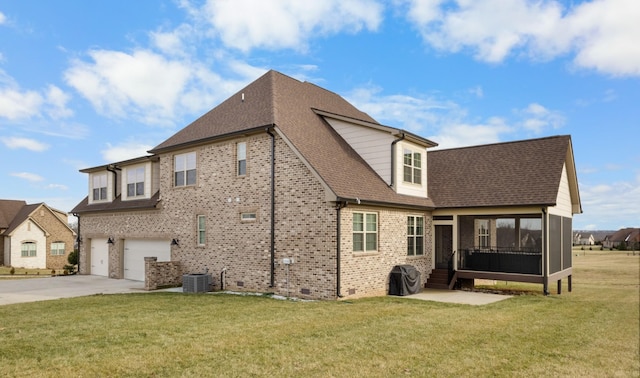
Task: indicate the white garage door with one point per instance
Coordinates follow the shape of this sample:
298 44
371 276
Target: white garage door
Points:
99 257
136 250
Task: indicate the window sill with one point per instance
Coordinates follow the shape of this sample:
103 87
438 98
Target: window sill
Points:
364 254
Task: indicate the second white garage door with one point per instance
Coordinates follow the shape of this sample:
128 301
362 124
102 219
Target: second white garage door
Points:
136 250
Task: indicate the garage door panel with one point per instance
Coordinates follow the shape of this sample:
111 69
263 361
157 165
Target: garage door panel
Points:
99 259
136 250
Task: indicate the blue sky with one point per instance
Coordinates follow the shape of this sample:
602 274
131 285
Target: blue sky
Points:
85 83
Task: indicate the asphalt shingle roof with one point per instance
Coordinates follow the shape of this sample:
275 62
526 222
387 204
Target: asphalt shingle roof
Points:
278 100
517 173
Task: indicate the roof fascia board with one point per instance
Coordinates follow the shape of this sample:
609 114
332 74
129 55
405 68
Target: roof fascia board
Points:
572 176
392 130
141 159
216 138
359 202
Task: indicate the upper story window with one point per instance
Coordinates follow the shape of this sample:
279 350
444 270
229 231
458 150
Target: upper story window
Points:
412 167
365 232
28 249
185 169
99 186
241 153
135 182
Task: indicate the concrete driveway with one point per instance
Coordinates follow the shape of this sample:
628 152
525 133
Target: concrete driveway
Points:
42 289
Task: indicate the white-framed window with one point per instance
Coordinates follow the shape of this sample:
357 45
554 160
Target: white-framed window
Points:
57 248
135 181
415 235
28 249
365 232
484 233
241 154
412 166
185 169
202 224
248 216
99 186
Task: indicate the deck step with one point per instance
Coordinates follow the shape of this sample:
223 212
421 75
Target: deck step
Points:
438 279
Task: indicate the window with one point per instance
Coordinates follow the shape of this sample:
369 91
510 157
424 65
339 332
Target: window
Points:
365 232
99 186
28 249
135 182
415 235
201 229
248 217
185 169
241 153
57 248
484 236
412 167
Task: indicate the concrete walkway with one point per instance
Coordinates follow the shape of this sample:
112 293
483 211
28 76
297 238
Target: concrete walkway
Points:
458 296
41 289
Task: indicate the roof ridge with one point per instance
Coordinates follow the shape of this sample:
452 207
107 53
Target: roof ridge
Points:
503 143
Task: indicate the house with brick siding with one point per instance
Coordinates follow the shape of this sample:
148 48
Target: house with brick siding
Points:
34 236
286 187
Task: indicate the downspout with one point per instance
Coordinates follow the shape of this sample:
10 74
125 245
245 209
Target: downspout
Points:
393 159
339 205
545 254
112 168
78 239
273 206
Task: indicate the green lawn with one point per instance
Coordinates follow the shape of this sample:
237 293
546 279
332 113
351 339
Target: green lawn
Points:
593 331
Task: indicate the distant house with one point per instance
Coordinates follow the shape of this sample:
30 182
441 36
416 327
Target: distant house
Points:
629 237
34 236
583 239
286 187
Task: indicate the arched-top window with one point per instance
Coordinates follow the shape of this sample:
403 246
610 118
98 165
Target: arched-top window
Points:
29 249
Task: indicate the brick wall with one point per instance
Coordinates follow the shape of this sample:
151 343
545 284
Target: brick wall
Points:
305 225
161 273
58 232
367 273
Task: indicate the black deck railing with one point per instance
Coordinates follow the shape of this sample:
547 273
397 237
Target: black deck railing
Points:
501 259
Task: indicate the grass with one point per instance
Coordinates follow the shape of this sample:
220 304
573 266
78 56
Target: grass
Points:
593 331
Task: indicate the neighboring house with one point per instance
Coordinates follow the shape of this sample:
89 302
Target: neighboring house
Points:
583 239
629 237
286 187
34 236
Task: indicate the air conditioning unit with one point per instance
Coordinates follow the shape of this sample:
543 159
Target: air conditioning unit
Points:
196 283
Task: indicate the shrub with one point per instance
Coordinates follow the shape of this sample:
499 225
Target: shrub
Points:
12 271
73 257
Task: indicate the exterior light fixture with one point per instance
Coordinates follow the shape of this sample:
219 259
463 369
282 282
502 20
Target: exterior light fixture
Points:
110 241
175 242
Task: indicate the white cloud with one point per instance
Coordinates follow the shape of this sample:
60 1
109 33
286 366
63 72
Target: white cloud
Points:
278 24
3 18
612 206
28 176
57 186
537 118
149 87
18 104
29 144
124 151
601 33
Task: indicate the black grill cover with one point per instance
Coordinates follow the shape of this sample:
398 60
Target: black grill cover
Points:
404 280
